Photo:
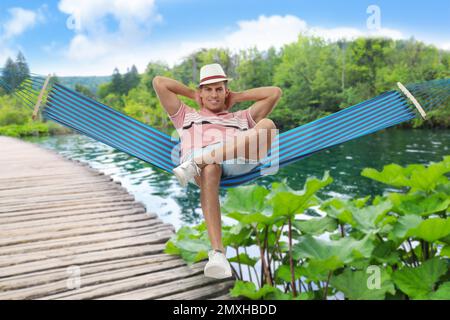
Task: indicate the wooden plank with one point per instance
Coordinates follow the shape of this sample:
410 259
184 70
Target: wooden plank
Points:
148 281
66 203
106 255
81 214
36 214
62 189
50 276
99 278
215 289
75 182
153 238
57 227
176 285
94 217
77 241
61 198
77 232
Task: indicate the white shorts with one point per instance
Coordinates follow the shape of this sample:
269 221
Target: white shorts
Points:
231 167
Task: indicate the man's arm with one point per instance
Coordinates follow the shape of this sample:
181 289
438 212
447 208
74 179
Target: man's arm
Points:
167 90
266 98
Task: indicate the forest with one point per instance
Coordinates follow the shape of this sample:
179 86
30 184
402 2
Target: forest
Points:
317 77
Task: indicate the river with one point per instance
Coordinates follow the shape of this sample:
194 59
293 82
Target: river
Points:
160 192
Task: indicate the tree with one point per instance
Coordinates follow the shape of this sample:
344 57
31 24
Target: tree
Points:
84 90
130 80
117 82
10 76
23 71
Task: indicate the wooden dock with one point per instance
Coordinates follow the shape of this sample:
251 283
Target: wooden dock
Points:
70 232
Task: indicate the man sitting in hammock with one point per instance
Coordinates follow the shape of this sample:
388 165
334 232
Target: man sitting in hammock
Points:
216 143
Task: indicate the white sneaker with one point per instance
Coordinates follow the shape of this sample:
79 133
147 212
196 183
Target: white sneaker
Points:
218 266
186 172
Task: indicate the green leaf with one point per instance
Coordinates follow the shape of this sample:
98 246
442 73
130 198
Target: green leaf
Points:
315 226
432 229
288 203
280 295
171 248
360 202
386 252
253 218
362 285
339 209
392 174
417 177
427 178
244 259
419 282
367 218
317 270
283 272
442 293
248 289
445 251
192 257
238 235
419 203
341 251
245 199
403 227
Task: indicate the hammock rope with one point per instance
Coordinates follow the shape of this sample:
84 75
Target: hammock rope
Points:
114 128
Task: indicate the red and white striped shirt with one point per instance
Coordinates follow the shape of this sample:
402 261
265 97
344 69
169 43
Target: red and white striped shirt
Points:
198 129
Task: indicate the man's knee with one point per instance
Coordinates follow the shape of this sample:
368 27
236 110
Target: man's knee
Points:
212 170
266 123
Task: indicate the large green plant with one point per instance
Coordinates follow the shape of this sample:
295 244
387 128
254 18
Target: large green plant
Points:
392 246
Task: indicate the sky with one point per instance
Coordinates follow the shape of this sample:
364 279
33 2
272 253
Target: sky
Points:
92 37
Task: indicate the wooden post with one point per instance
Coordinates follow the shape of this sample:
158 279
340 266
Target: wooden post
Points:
39 100
413 100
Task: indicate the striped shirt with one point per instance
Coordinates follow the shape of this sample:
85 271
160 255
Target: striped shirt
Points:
198 129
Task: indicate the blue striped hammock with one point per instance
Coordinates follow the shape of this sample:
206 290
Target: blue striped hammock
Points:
116 129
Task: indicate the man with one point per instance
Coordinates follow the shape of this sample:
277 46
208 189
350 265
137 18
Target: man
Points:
213 138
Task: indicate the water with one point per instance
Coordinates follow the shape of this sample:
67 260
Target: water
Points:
160 192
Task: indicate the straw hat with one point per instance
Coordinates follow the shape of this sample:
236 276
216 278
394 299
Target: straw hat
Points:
212 73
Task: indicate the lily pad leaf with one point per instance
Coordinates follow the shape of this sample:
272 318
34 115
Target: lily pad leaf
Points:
363 285
316 226
244 259
418 282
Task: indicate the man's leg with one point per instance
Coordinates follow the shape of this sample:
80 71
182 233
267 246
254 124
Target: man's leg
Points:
254 144
209 182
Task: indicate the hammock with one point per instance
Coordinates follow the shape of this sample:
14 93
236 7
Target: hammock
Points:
109 126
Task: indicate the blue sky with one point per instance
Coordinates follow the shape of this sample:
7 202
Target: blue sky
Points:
92 37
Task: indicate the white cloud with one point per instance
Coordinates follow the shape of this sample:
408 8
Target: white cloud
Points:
19 21
444 46
277 31
97 51
95 38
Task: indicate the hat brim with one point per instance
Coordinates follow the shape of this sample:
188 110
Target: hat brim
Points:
214 81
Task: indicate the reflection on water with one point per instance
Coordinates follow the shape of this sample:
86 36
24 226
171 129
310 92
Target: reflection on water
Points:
160 192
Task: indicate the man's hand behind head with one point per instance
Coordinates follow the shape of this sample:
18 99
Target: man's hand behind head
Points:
198 99
231 99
